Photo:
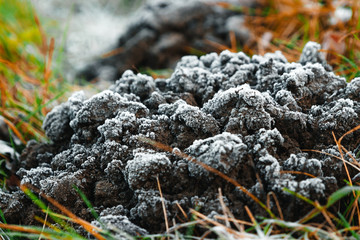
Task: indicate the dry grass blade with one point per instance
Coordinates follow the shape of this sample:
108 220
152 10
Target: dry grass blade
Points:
113 52
331 155
45 222
228 213
22 229
236 221
223 207
19 71
298 172
163 206
49 225
15 130
215 223
348 132
343 159
182 210
277 204
326 216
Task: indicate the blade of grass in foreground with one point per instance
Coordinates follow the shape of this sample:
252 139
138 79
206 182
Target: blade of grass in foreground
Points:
341 193
347 226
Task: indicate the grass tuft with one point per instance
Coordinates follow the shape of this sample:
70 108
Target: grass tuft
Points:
28 86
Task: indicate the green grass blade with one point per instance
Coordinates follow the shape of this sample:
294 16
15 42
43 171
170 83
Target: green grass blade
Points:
87 202
47 233
44 207
347 226
298 195
2 216
343 192
298 227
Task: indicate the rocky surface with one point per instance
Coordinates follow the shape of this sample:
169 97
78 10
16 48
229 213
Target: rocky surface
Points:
163 31
247 117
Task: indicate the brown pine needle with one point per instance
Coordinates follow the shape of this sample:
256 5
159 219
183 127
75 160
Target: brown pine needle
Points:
163 206
298 172
14 129
16 69
44 46
331 155
22 229
208 220
218 46
233 42
326 216
348 132
205 234
113 52
276 202
342 158
182 210
235 221
251 216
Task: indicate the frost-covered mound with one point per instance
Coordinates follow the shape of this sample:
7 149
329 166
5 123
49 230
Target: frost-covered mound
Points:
249 118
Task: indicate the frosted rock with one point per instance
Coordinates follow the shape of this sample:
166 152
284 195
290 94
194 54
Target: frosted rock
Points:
119 225
141 85
244 104
311 54
56 123
141 172
223 152
98 108
188 123
301 163
34 175
336 116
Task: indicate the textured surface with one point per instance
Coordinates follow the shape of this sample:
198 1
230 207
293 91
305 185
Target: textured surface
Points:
249 118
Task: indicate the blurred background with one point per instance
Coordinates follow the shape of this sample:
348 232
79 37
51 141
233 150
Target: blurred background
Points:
85 29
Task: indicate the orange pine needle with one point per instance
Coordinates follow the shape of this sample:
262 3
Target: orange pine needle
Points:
14 129
298 172
163 205
182 210
22 229
113 52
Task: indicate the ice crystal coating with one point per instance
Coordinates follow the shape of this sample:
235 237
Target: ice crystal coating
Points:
249 118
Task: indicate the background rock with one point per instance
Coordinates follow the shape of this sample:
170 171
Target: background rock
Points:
164 31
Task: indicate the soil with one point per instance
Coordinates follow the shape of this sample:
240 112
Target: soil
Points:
249 118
